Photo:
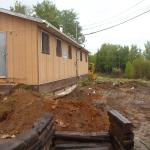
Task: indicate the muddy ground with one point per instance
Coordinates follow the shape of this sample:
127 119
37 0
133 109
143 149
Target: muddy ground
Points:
83 110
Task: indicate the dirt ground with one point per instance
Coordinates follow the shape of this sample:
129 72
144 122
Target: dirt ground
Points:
84 110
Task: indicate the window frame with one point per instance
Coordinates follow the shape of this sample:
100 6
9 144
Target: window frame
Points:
58 49
42 50
86 57
69 52
81 56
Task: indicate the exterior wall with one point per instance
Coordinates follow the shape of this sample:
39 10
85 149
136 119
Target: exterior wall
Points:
21 49
25 61
82 65
53 68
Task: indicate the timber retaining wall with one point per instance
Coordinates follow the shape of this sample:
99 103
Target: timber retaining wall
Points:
40 137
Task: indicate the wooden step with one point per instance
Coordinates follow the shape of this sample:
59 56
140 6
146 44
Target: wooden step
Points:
83 146
82 137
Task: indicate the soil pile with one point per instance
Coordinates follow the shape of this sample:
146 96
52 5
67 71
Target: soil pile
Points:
19 110
78 116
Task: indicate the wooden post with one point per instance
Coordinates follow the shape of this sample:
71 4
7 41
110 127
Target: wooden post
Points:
121 131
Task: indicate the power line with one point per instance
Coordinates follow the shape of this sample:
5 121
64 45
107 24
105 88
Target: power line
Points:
113 26
110 18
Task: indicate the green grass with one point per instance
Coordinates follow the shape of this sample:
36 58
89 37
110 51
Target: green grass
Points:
107 78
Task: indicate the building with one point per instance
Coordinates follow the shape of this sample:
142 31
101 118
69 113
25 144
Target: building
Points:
34 52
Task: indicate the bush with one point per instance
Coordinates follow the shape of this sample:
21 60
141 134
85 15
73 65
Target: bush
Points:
129 70
141 68
116 71
86 81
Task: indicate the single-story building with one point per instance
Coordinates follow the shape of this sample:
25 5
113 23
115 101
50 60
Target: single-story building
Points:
34 52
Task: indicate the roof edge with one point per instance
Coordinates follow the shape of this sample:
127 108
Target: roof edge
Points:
47 24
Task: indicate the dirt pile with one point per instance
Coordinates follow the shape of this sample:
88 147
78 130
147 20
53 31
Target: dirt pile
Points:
19 110
78 116
22 108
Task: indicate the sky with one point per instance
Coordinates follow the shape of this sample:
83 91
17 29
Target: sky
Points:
99 14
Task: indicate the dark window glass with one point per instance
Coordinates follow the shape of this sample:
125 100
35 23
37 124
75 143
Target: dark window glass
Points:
58 49
80 55
86 57
45 43
69 52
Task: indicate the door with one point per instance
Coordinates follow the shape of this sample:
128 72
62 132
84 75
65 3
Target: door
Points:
2 54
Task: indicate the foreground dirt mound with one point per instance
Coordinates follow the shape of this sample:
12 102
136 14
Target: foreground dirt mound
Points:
19 110
78 116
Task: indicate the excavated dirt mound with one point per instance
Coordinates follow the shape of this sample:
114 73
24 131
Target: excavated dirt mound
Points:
20 109
77 116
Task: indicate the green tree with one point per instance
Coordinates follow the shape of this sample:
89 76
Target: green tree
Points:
123 57
92 58
21 8
129 70
47 11
141 68
134 53
147 50
69 21
106 58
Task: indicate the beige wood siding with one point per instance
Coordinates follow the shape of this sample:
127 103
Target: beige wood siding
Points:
21 49
25 61
53 68
83 65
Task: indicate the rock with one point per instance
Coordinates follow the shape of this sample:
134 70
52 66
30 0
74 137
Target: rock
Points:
133 88
94 92
13 136
114 84
5 99
5 136
61 124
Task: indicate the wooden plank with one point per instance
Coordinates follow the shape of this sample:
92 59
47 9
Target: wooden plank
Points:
100 137
123 120
96 148
79 145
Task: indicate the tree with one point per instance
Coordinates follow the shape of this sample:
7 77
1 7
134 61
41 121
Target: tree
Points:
92 58
129 70
141 68
134 53
47 10
67 18
123 57
69 21
147 50
106 58
21 8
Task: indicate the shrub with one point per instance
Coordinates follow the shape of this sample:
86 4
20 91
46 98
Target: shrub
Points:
86 81
116 71
141 68
129 70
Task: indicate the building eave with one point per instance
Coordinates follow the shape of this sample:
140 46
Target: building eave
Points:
46 25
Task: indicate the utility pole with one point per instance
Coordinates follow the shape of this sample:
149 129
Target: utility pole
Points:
77 51
76 31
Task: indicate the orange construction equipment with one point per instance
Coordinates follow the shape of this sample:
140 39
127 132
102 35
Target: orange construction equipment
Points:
92 72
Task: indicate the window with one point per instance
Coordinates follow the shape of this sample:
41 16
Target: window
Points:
80 55
69 52
45 43
86 57
64 53
58 49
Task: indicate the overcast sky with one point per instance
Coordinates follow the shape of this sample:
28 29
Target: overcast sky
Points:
99 14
